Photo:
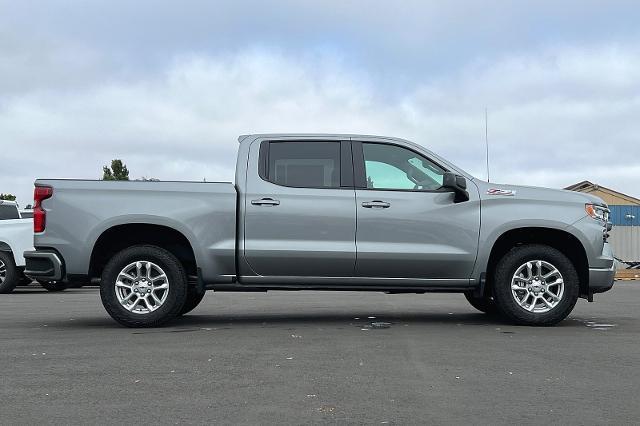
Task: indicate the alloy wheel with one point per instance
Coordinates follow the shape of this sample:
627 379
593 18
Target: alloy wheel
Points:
537 286
142 287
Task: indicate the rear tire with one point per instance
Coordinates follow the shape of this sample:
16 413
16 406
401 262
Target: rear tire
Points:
193 300
143 286
53 286
536 285
9 276
484 304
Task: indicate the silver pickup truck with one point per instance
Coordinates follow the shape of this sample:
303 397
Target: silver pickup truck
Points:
324 212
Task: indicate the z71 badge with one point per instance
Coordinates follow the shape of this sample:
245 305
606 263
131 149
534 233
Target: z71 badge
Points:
506 192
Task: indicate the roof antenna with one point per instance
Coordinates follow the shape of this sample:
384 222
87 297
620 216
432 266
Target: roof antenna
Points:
486 138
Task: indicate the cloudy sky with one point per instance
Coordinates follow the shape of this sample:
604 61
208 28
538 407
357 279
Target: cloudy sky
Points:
168 86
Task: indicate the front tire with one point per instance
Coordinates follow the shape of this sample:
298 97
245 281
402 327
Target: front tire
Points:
536 285
9 276
484 304
143 286
193 300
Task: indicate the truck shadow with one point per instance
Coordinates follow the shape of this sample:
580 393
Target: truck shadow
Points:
197 322
340 319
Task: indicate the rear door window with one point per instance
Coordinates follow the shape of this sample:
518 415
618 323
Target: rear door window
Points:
304 164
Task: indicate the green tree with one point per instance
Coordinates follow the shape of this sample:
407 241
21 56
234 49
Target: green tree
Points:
118 171
7 197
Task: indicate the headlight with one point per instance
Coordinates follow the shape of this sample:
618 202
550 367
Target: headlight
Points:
597 212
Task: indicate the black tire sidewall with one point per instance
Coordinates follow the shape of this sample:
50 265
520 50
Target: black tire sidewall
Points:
484 304
53 286
515 258
12 276
193 300
177 286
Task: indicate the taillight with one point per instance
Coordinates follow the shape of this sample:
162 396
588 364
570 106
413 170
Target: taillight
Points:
40 193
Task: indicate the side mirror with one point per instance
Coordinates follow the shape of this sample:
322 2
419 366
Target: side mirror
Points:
456 183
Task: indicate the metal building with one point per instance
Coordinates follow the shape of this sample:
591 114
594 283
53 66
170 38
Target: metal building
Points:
625 216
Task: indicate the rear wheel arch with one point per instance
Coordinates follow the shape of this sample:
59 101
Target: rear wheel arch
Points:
119 237
6 247
565 242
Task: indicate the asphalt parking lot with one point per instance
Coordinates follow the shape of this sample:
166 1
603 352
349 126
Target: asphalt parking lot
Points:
314 357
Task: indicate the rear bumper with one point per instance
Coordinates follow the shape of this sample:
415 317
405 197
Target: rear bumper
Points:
44 265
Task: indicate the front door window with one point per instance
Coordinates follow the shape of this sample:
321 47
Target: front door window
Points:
390 167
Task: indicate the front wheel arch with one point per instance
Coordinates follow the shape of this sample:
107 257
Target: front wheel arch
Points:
563 241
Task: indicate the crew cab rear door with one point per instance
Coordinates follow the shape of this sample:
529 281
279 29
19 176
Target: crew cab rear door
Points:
408 227
300 218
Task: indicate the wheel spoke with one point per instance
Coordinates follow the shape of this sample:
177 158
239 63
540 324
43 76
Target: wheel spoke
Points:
529 270
149 305
556 282
133 305
156 299
161 287
159 277
516 287
533 304
127 276
553 296
138 269
123 285
539 266
545 301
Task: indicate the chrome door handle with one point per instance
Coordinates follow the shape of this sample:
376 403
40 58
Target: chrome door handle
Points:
265 202
376 204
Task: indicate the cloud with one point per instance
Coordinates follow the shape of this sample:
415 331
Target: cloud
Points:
556 116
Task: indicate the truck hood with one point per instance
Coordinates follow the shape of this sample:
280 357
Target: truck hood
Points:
494 190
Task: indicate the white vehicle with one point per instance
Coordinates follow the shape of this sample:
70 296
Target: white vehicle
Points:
16 236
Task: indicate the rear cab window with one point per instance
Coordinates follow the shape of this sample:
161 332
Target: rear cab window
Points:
9 211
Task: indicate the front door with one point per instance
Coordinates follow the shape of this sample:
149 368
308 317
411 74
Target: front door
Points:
300 218
407 225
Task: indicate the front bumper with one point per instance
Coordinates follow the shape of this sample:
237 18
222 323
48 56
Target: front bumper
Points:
601 279
44 265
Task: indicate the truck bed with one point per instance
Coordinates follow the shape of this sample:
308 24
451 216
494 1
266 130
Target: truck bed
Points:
82 210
